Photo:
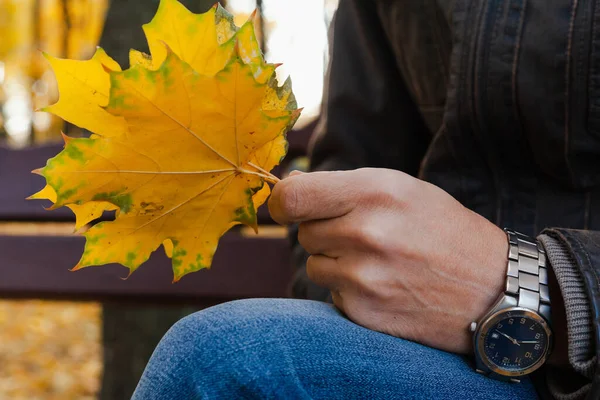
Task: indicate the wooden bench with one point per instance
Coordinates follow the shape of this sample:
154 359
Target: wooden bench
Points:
37 249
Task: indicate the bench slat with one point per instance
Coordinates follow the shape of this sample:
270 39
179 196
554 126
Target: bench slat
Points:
37 267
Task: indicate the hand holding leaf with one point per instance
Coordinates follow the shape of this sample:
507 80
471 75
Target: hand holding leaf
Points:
183 140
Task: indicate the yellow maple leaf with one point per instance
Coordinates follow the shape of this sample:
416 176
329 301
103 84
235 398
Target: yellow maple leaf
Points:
193 37
195 40
84 88
84 213
83 84
204 41
181 154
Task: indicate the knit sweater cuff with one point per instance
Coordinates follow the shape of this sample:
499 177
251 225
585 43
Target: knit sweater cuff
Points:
577 308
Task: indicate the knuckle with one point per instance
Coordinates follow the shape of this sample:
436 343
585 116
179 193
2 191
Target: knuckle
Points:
367 235
372 236
392 188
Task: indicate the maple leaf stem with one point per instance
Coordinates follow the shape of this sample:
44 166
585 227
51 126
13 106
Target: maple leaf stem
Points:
269 178
273 177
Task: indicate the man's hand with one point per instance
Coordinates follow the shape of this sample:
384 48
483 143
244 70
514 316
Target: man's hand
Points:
399 255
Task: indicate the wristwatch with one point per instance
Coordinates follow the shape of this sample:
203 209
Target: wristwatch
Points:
514 338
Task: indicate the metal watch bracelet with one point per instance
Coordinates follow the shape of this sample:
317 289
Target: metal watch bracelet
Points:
527 274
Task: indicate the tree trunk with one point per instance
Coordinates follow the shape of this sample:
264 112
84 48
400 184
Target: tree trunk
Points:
131 332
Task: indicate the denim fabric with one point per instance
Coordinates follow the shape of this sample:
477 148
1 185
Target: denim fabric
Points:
300 349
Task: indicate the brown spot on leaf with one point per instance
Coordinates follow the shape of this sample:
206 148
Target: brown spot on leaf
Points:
151 207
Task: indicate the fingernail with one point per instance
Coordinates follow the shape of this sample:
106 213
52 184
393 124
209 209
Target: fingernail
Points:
295 172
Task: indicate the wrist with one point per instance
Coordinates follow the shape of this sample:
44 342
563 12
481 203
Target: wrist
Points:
486 276
494 268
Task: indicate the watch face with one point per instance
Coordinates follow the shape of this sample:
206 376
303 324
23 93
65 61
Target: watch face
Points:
514 342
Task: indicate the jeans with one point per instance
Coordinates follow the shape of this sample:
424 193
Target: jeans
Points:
299 349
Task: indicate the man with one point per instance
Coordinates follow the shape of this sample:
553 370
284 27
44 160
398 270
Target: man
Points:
471 116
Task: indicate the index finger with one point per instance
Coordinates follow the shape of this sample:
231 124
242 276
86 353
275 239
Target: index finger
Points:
312 196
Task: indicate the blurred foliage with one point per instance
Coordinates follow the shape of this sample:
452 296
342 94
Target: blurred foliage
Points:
49 350
63 28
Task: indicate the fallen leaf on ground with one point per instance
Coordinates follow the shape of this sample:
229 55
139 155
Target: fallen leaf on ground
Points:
49 350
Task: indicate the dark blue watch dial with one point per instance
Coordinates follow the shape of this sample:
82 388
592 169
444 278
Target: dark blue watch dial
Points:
515 343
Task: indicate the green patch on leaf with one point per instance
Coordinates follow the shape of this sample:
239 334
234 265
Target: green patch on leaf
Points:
178 254
62 196
73 152
198 265
150 75
129 259
117 101
94 239
133 74
121 200
247 215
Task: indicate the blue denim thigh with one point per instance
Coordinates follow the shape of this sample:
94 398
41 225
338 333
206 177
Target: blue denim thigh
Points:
297 349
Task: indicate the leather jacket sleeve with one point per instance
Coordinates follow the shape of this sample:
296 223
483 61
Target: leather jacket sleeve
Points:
368 118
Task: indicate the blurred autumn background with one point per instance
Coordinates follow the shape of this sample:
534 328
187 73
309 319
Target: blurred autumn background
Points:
75 349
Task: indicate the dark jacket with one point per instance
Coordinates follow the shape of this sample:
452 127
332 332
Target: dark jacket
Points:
497 102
